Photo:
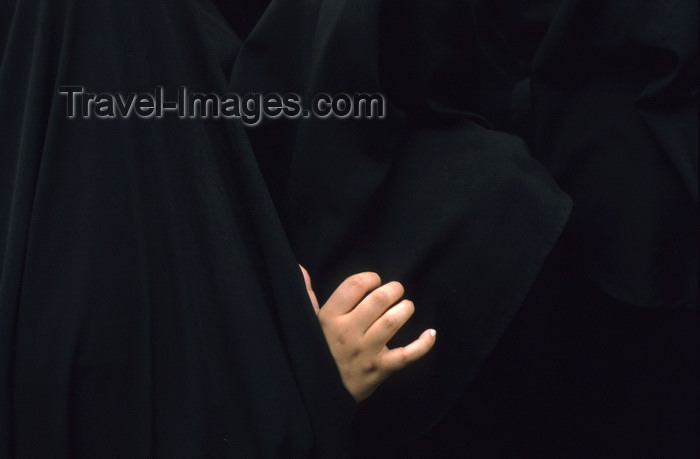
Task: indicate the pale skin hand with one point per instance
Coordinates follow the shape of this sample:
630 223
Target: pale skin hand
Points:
358 320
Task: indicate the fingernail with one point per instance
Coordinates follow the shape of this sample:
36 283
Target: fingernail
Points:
432 332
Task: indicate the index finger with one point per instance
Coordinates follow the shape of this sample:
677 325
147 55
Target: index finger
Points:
350 292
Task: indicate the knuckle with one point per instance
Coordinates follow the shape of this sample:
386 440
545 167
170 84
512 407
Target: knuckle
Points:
380 297
357 282
363 282
390 322
369 367
343 337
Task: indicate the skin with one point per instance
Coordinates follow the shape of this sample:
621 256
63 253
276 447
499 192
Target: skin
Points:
358 320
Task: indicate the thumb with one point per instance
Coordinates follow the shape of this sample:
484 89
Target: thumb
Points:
309 290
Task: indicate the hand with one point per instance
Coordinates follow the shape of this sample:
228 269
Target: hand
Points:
358 319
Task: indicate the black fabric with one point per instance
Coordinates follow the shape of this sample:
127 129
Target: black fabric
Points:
460 214
579 374
606 95
151 305
150 301
603 358
616 102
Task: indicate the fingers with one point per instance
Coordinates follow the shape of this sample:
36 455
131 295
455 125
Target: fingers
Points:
350 292
309 290
384 328
357 321
375 304
397 358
